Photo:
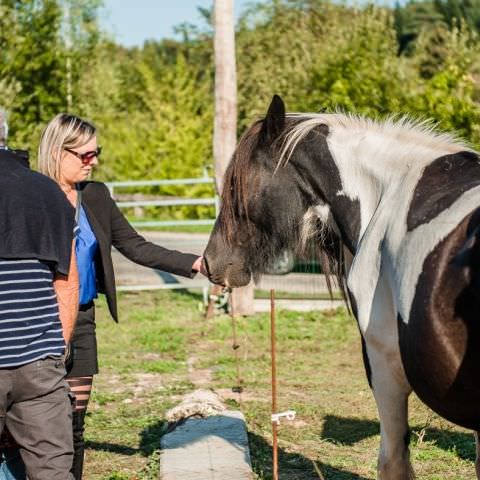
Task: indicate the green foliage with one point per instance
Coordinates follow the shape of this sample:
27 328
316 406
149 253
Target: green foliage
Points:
416 17
359 70
38 72
32 63
276 45
413 18
154 104
175 123
455 12
450 95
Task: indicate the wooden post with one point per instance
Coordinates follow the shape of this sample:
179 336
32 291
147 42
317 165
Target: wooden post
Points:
274 386
225 123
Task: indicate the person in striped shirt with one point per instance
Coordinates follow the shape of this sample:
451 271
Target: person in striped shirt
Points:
38 299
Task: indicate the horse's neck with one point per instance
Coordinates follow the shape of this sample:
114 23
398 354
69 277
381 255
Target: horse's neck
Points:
373 167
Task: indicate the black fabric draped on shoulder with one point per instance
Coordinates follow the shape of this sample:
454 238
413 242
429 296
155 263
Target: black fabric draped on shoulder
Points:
36 219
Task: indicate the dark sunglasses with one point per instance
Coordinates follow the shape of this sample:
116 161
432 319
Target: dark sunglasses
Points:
86 157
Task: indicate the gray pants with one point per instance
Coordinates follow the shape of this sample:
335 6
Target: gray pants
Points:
35 405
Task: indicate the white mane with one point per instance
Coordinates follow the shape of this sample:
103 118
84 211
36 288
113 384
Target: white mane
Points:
394 130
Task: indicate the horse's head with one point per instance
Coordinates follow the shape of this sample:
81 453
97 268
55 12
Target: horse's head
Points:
264 204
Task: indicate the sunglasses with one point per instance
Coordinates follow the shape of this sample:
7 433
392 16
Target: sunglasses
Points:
86 157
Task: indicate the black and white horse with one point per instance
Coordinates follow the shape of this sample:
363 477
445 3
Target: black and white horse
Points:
405 202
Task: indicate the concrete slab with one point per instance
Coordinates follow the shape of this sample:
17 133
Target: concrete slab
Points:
212 448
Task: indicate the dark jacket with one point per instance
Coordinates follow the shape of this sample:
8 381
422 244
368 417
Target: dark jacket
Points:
36 220
112 229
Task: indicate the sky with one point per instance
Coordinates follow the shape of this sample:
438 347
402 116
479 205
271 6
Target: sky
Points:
134 21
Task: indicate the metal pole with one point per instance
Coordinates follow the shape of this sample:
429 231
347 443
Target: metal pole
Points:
274 384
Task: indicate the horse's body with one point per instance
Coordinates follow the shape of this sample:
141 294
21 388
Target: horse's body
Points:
406 203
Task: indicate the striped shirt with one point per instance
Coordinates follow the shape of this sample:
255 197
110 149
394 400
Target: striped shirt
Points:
30 327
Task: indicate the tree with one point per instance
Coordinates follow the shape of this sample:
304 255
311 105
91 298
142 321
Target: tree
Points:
225 120
36 81
411 19
455 12
32 60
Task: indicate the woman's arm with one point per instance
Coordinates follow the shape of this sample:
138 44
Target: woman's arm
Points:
131 244
67 288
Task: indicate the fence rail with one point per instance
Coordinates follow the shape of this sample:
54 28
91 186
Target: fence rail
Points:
168 203
177 202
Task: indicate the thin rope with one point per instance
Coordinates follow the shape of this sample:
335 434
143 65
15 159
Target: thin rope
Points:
274 385
238 388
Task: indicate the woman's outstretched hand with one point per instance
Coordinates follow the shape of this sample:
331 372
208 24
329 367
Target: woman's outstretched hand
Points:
199 266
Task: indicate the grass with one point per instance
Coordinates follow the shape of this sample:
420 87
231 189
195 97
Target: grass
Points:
143 363
265 294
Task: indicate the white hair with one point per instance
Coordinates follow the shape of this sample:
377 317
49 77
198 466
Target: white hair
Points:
400 128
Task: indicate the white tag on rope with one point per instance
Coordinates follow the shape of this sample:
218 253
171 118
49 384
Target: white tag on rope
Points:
289 415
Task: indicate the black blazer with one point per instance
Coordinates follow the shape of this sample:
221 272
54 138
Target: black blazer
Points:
112 228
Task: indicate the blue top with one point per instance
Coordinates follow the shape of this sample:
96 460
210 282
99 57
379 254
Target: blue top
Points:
30 327
85 248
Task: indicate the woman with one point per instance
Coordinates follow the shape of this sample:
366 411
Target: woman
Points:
67 153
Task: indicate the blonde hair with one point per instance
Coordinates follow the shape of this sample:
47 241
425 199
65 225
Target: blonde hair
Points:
63 131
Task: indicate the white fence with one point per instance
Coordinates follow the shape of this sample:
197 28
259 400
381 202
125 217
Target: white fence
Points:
174 202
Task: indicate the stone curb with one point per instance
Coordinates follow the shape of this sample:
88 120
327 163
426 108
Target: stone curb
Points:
211 448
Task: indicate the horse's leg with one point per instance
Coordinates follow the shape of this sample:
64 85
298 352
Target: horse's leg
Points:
389 383
391 391
477 462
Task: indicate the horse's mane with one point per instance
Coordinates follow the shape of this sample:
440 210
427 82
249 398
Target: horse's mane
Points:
235 181
404 129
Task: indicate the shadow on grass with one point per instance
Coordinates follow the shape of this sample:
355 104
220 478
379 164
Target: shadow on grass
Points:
291 466
463 444
150 437
348 431
149 442
111 447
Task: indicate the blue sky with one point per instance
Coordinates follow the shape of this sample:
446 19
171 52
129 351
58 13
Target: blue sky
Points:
133 21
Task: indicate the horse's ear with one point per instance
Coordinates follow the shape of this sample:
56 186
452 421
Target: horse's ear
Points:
274 122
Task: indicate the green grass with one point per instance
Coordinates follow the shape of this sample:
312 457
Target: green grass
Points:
144 372
298 296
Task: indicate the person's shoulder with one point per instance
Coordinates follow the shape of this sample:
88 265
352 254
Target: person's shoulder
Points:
95 189
45 188
45 181
16 156
93 186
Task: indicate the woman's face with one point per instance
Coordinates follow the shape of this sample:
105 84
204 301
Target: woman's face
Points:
77 163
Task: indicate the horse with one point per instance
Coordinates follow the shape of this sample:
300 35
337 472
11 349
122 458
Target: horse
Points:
401 200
